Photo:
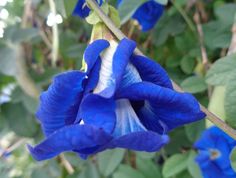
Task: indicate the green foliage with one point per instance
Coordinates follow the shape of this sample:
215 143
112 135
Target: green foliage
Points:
174 165
233 159
109 160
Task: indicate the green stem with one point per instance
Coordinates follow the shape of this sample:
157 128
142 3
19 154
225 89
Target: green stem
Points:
185 16
118 33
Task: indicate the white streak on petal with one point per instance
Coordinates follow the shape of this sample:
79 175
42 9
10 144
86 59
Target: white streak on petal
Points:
130 76
105 73
127 120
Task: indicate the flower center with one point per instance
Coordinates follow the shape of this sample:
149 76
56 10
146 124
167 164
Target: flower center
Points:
214 154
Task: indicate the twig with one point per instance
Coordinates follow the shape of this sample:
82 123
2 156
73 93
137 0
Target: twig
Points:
43 34
201 40
66 164
55 34
205 60
13 147
213 118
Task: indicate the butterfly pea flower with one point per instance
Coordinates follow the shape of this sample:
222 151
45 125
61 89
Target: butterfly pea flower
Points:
121 100
81 9
214 151
147 14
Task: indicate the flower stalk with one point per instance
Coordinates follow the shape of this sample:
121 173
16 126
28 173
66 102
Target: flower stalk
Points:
55 34
120 35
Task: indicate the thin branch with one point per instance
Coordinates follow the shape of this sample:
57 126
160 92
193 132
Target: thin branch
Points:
212 117
201 40
55 34
66 164
43 34
13 146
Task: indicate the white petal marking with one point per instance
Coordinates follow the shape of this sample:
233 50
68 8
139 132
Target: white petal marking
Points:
127 120
105 73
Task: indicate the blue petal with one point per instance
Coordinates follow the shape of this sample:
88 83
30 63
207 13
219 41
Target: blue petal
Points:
130 76
167 107
140 141
113 67
69 138
151 71
148 14
93 77
215 139
209 138
98 111
126 119
93 51
60 103
82 9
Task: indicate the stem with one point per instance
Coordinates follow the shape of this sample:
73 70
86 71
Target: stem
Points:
185 16
55 35
213 118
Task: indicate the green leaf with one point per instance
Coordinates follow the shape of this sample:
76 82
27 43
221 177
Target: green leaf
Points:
222 70
109 160
8 61
194 84
233 158
175 164
226 13
187 64
217 35
93 18
127 8
148 168
193 168
69 7
29 103
125 171
230 101
18 35
145 155
89 171
2 121
194 130
20 120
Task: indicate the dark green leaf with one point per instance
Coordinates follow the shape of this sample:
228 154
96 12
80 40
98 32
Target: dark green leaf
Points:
20 120
194 130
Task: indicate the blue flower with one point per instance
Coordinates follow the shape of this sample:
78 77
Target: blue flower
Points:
82 9
121 100
214 151
148 14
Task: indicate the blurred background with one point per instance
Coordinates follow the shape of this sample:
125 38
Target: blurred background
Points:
36 44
